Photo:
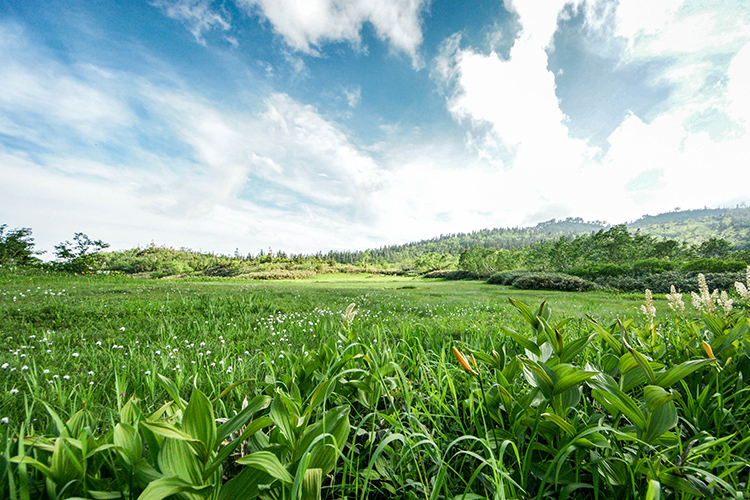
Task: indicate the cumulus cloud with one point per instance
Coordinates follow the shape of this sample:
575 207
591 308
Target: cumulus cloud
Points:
305 25
514 118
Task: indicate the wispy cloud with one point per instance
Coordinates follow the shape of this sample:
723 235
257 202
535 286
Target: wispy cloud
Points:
306 25
198 15
242 177
353 96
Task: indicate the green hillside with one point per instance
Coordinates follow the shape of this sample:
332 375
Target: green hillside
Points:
688 226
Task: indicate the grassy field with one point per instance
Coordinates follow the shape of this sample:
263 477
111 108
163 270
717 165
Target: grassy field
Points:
71 326
420 424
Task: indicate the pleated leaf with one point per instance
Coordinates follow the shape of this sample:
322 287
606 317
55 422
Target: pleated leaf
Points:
268 463
167 486
198 421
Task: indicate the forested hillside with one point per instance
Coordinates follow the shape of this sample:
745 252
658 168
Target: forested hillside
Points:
686 226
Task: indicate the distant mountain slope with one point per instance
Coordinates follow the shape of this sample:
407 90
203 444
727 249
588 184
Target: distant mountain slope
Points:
697 226
692 226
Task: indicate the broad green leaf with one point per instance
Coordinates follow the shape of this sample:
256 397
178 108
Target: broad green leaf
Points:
130 412
564 425
63 464
228 448
662 419
144 473
59 424
235 423
679 483
245 485
643 362
128 442
524 342
267 462
79 421
177 458
198 421
569 376
537 376
572 349
607 337
606 391
167 486
281 416
312 484
654 490
23 459
319 395
526 313
656 396
334 427
677 373
105 495
169 431
553 337
172 390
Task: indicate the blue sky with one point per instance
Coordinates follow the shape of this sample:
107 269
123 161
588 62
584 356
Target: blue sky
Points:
308 125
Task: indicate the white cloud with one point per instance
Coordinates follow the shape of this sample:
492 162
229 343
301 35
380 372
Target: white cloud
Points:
308 24
35 88
197 15
284 176
738 88
515 120
353 96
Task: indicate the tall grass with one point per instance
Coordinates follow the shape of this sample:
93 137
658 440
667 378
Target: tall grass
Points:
103 380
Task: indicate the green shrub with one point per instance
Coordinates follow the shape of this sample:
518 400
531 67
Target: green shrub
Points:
661 282
460 275
223 270
647 266
279 274
553 281
713 266
506 277
592 271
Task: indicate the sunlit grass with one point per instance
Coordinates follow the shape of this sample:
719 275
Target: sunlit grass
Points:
422 426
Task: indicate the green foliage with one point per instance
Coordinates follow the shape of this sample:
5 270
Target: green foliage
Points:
506 277
553 281
661 282
713 266
484 262
81 254
16 247
288 398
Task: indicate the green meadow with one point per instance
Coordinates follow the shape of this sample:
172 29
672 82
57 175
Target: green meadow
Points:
348 386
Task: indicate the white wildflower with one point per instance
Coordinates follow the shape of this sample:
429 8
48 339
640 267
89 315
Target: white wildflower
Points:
648 308
675 300
725 302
